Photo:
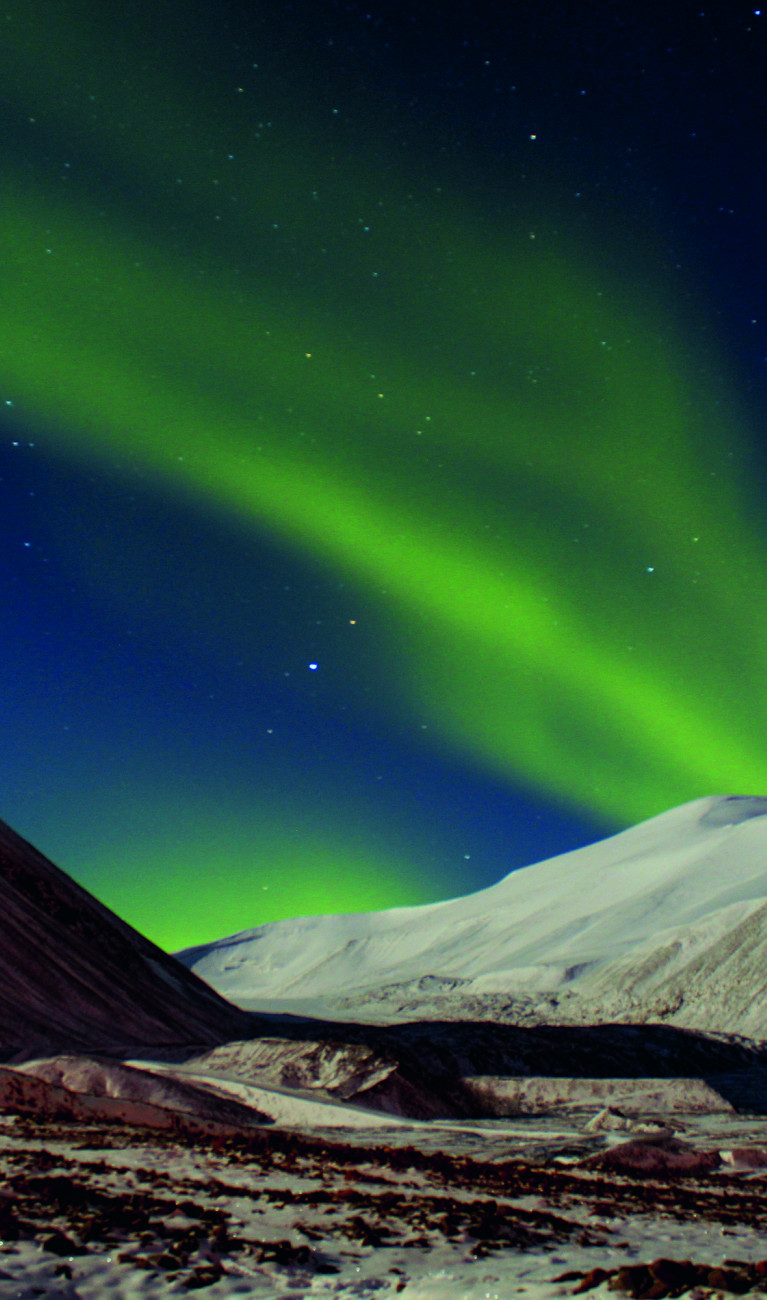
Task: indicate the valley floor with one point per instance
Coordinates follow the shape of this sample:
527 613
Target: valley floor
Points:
426 1211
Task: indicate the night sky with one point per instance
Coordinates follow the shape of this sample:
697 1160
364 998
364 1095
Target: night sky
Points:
382 464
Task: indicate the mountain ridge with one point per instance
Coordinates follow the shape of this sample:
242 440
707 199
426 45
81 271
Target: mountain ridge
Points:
81 991
74 975
666 920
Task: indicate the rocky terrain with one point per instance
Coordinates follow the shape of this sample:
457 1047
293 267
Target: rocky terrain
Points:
157 1140
72 974
551 1210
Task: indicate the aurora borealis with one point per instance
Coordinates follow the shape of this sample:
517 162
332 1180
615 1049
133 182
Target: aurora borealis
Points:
379 469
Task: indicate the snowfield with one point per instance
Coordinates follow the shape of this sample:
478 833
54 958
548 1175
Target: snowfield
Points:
665 921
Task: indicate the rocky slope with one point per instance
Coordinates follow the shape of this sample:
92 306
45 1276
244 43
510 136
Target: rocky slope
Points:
73 976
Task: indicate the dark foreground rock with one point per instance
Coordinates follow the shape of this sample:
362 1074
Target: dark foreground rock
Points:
74 976
116 1212
671 1277
646 1158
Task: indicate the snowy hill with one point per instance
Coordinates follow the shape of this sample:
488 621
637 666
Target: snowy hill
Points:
665 921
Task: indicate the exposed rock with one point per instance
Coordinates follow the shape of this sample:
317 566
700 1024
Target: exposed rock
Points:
672 1277
504 1096
746 1157
647 1157
430 1069
73 975
365 1073
608 1120
111 1080
27 1094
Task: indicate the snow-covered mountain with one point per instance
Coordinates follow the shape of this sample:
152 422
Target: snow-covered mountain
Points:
665 921
80 990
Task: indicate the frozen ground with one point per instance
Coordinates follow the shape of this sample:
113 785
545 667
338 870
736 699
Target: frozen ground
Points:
428 1211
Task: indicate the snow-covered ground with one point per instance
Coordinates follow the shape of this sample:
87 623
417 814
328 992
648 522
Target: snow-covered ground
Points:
667 920
478 1211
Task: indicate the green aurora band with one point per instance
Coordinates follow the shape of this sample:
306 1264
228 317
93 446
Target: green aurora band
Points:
514 450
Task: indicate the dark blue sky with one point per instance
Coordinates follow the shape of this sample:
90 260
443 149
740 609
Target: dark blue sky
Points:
359 187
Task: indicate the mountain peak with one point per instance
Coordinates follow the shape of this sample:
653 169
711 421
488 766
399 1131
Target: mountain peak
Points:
731 809
666 920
